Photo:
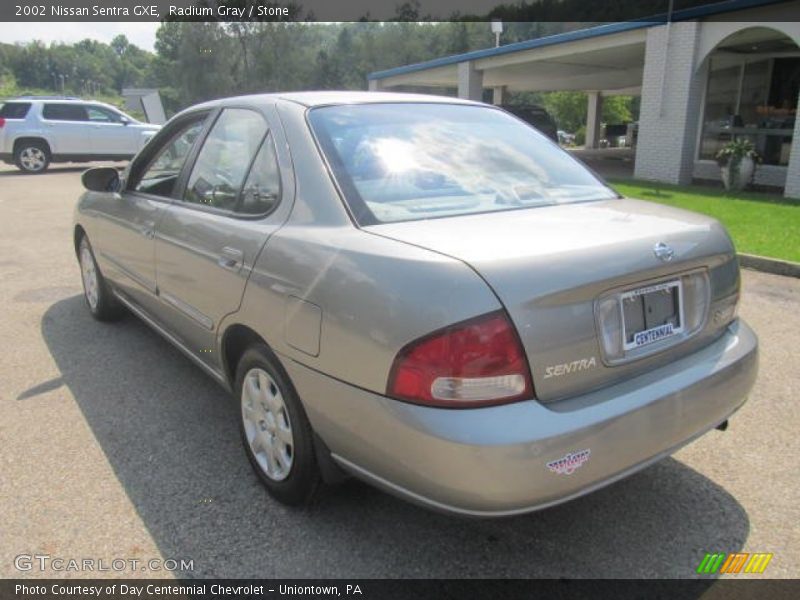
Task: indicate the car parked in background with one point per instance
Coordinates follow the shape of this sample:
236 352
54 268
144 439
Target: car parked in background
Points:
38 130
565 138
420 291
536 116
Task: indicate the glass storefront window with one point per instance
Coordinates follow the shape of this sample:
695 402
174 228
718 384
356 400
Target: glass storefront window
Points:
754 98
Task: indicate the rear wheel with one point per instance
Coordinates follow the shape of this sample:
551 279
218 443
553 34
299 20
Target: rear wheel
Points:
275 430
32 157
98 296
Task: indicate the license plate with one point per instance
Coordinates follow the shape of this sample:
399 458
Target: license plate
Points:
651 314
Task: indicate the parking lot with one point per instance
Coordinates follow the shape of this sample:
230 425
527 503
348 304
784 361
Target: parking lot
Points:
116 446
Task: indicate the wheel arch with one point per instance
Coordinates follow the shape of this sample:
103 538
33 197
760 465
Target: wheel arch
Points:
32 138
77 236
236 339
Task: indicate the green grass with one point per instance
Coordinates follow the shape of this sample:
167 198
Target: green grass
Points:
763 224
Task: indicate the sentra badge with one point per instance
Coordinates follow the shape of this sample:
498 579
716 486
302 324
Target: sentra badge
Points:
570 367
568 464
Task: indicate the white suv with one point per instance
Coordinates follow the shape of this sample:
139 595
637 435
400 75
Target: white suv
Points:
38 130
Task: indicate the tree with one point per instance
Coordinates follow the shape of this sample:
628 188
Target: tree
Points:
120 44
617 109
567 108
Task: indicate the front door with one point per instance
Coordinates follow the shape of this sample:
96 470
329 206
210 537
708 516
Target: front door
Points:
208 242
108 134
127 235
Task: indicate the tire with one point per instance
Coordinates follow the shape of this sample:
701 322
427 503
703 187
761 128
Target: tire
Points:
276 434
32 157
96 293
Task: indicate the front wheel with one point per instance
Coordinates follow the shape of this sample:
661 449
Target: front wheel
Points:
98 296
275 431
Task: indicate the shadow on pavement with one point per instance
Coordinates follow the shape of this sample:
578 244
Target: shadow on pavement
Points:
50 171
170 434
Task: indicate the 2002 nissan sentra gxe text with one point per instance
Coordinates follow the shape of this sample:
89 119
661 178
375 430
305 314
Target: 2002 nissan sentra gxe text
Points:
423 292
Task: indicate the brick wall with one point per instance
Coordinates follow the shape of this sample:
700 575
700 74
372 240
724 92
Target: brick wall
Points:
792 189
670 111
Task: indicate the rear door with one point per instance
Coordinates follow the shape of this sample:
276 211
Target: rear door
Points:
208 241
67 127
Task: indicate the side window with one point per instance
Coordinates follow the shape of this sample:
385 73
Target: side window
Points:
14 110
222 162
64 112
163 170
262 190
100 115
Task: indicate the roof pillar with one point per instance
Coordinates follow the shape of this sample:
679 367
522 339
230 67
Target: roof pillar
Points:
470 81
499 95
594 111
792 189
672 92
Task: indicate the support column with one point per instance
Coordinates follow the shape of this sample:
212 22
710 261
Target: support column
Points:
499 95
470 81
594 111
375 85
792 188
672 90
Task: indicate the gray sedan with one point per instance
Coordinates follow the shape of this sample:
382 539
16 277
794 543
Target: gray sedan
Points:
422 292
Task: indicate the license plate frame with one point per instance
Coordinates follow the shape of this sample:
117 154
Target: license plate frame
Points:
654 298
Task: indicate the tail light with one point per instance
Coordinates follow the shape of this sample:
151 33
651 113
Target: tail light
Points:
473 363
2 122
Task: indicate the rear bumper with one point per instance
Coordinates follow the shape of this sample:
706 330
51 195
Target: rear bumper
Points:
493 461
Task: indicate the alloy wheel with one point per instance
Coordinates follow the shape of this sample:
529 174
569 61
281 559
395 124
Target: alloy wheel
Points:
33 159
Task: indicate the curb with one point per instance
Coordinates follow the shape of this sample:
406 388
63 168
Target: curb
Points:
770 265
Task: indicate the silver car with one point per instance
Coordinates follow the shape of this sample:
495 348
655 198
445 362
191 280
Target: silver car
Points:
423 292
38 130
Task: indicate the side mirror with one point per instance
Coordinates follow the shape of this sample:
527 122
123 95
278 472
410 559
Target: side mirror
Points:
101 179
125 120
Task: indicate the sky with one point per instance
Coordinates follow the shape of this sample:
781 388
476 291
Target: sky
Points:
141 34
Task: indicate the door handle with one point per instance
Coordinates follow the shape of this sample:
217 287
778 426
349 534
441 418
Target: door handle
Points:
231 259
148 230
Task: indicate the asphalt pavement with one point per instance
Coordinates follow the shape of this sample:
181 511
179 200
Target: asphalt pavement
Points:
115 446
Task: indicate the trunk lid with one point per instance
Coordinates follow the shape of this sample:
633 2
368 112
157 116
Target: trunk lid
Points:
555 267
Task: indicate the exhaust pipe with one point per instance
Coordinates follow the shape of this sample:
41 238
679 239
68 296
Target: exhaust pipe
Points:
723 426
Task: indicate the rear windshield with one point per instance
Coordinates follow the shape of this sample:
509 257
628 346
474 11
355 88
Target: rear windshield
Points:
405 162
14 110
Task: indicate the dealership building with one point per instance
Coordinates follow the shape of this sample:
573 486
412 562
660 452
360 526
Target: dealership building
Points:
705 76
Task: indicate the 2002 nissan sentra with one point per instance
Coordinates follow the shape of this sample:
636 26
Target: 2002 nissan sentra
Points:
423 292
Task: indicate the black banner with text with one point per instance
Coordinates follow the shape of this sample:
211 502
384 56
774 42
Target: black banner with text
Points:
385 10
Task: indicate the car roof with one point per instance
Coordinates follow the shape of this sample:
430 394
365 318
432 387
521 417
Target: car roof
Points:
59 99
323 98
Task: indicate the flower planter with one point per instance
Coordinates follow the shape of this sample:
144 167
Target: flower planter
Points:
738 178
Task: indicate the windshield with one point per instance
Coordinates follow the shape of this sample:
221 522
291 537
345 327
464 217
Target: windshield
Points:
405 162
